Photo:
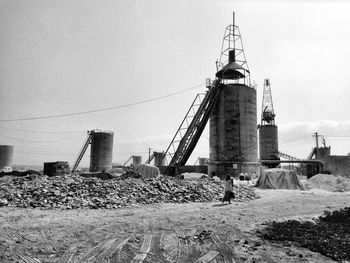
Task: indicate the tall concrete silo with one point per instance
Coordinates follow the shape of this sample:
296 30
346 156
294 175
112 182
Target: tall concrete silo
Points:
101 150
268 132
159 159
233 122
6 154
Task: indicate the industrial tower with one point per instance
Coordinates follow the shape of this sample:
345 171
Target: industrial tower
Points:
268 133
230 104
233 121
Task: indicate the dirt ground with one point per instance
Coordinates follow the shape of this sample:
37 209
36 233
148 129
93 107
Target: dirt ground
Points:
193 232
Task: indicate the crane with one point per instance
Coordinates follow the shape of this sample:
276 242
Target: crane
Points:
267 113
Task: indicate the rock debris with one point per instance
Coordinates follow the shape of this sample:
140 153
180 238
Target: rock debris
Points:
74 191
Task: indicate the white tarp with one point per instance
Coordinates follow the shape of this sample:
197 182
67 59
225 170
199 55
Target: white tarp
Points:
148 171
277 178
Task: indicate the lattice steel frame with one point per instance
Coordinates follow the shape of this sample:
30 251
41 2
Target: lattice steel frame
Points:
232 40
267 112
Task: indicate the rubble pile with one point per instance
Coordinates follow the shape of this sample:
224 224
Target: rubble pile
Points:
329 182
130 173
330 235
74 191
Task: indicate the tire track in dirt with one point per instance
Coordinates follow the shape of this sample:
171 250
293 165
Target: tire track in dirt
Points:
151 248
244 236
228 233
91 255
28 259
183 251
14 235
225 251
145 248
209 257
104 251
124 255
111 250
157 248
69 254
186 252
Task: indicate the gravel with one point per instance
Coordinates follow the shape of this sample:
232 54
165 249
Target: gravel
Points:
74 191
329 235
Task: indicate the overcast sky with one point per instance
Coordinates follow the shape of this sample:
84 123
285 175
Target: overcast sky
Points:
61 57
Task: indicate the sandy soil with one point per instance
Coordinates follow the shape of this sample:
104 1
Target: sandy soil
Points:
163 232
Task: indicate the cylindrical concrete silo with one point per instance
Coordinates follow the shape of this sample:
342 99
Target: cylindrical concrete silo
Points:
268 133
136 160
6 153
233 125
202 161
268 136
101 150
158 159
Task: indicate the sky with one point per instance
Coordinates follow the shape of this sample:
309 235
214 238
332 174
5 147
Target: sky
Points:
63 57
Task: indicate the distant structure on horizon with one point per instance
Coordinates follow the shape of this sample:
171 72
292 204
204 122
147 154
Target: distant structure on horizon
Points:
6 155
101 152
334 164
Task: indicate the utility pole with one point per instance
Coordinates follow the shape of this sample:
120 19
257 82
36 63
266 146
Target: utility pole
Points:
149 153
316 136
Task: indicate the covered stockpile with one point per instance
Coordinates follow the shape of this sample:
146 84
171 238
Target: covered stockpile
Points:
277 178
148 171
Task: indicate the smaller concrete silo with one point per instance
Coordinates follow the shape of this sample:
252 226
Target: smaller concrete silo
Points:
6 154
268 131
136 160
268 135
203 161
101 150
159 159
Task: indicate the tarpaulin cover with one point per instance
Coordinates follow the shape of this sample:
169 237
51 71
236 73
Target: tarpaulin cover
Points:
148 171
277 178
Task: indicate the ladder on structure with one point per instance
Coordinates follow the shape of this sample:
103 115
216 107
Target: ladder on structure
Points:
313 152
192 126
127 160
150 159
82 152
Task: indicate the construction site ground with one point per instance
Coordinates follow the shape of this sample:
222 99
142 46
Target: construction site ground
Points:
191 232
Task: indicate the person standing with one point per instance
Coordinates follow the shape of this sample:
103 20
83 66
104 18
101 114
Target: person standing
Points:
229 194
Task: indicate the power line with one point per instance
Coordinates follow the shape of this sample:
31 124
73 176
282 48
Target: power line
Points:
336 136
22 140
99 110
36 131
46 153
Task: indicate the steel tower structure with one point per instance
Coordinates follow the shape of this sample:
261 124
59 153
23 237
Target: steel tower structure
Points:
267 113
268 132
